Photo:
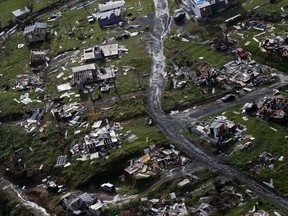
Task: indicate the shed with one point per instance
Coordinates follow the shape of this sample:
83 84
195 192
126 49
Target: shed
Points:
85 74
35 33
111 5
21 13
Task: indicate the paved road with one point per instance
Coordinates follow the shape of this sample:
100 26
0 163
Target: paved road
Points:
172 126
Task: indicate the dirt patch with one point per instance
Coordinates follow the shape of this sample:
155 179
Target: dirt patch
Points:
40 196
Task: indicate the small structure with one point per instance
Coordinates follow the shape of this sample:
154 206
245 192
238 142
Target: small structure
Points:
35 33
97 208
201 8
206 8
110 50
108 6
108 187
78 203
38 59
85 74
274 109
220 126
105 74
25 81
21 13
109 18
93 53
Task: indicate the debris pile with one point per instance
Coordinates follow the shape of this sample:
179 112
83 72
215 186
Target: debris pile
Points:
155 160
273 109
242 73
31 123
277 45
51 186
101 139
202 73
220 129
155 208
98 142
223 43
68 113
199 73
25 81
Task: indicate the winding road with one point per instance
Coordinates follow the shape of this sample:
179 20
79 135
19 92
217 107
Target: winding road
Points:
172 126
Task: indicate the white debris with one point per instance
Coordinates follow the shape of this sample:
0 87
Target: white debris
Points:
64 87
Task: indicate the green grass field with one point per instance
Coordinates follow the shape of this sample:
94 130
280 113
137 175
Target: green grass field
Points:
7 6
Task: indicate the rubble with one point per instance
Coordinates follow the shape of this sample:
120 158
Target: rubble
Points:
223 43
98 142
38 60
277 45
242 73
68 114
155 160
26 81
273 109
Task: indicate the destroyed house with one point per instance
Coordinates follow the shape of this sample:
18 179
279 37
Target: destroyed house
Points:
110 50
105 74
201 74
77 202
111 5
24 81
278 45
35 33
85 74
21 13
109 18
93 53
275 109
38 59
221 126
101 139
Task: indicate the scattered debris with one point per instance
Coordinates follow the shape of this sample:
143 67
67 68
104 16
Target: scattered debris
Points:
154 161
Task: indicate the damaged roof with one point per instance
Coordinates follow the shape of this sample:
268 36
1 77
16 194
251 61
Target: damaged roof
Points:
84 68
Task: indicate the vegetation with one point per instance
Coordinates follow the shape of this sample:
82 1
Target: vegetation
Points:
11 206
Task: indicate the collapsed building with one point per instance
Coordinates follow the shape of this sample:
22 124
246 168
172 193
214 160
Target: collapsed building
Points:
26 81
38 59
35 33
68 113
222 43
101 138
277 45
242 73
199 73
273 109
154 161
86 74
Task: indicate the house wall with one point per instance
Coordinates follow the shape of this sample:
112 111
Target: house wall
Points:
206 12
196 10
32 37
